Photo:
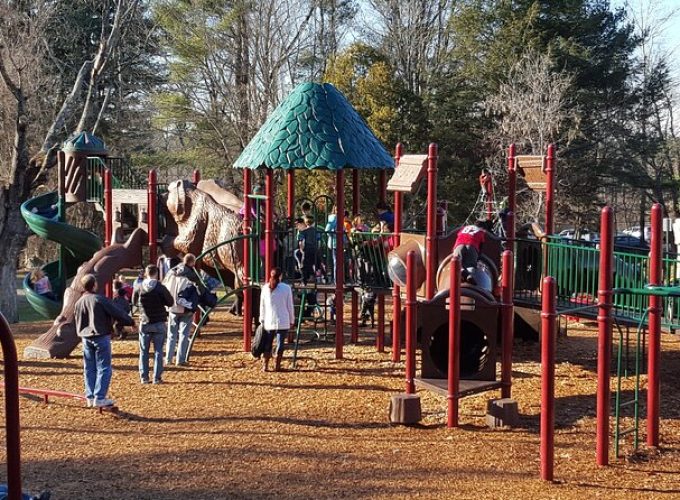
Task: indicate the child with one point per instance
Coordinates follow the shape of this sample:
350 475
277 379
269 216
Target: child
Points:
368 307
305 255
121 301
330 304
468 247
41 284
358 225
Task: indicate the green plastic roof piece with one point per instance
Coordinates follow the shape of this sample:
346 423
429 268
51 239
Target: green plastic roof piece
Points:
315 127
84 142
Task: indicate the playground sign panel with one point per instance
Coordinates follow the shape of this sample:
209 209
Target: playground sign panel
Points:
410 170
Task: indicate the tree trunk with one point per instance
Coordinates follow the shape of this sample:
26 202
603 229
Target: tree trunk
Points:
12 240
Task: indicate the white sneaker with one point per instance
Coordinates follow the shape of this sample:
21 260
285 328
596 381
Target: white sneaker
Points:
89 402
104 402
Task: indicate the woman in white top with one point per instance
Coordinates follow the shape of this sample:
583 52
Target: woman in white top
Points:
277 316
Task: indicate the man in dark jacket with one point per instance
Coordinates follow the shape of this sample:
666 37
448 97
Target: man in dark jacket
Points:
94 316
153 299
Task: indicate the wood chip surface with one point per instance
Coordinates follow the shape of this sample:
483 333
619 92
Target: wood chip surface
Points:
221 428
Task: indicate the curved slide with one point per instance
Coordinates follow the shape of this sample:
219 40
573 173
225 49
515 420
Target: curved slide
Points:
80 246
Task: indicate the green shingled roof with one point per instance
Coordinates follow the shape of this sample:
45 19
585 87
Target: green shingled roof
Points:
84 142
315 127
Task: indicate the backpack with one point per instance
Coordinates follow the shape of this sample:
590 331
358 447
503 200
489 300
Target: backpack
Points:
257 347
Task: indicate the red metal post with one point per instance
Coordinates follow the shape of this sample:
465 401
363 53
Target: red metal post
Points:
290 195
454 344
411 304
108 219
12 425
396 294
380 334
269 222
550 190
604 337
247 293
507 323
354 336
340 263
196 177
152 215
548 334
431 237
655 310
512 188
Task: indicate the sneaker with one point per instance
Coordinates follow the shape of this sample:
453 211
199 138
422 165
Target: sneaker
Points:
145 381
99 403
159 381
89 402
182 363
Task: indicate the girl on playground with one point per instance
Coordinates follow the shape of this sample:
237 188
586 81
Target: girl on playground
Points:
277 315
41 284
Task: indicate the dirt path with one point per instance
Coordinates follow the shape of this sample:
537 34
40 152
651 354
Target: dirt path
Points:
223 429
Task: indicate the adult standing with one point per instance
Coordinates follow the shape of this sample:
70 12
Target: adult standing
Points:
94 316
180 282
153 298
277 316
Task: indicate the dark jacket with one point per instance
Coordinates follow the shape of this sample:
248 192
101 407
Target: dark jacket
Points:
94 315
153 299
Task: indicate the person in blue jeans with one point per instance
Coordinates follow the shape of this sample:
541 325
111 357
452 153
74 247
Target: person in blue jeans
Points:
94 316
183 284
153 298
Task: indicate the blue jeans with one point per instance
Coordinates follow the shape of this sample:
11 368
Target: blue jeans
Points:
97 366
151 333
179 331
268 340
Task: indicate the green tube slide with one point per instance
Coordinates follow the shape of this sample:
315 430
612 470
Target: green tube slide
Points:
41 217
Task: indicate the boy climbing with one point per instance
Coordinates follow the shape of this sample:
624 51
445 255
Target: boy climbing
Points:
468 247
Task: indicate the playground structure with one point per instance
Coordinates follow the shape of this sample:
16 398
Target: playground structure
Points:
477 317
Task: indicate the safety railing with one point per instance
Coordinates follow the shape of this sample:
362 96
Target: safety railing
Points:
95 180
575 266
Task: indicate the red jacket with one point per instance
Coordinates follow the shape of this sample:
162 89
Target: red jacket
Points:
471 235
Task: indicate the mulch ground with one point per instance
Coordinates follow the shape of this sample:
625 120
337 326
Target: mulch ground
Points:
220 428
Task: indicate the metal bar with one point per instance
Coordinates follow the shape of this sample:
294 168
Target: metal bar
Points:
382 185
548 335
12 423
196 177
355 318
355 192
396 294
410 322
380 335
512 188
604 340
454 344
431 237
299 327
269 223
507 323
655 304
152 214
290 195
550 190
247 294
108 220
340 262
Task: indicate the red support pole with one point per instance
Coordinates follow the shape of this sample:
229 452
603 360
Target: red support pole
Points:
108 220
550 190
507 323
512 191
655 310
548 335
247 293
380 335
355 191
152 215
339 263
269 222
354 337
290 195
396 294
454 343
196 177
604 337
431 261
411 304
12 425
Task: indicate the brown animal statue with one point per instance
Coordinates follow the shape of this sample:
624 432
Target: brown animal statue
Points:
60 340
203 223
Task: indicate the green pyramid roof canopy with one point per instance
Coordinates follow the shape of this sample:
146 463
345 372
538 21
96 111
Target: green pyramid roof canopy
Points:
84 142
315 127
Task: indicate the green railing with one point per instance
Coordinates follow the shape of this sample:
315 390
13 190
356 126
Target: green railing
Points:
95 180
575 266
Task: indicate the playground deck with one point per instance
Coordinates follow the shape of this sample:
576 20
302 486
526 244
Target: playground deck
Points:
223 429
